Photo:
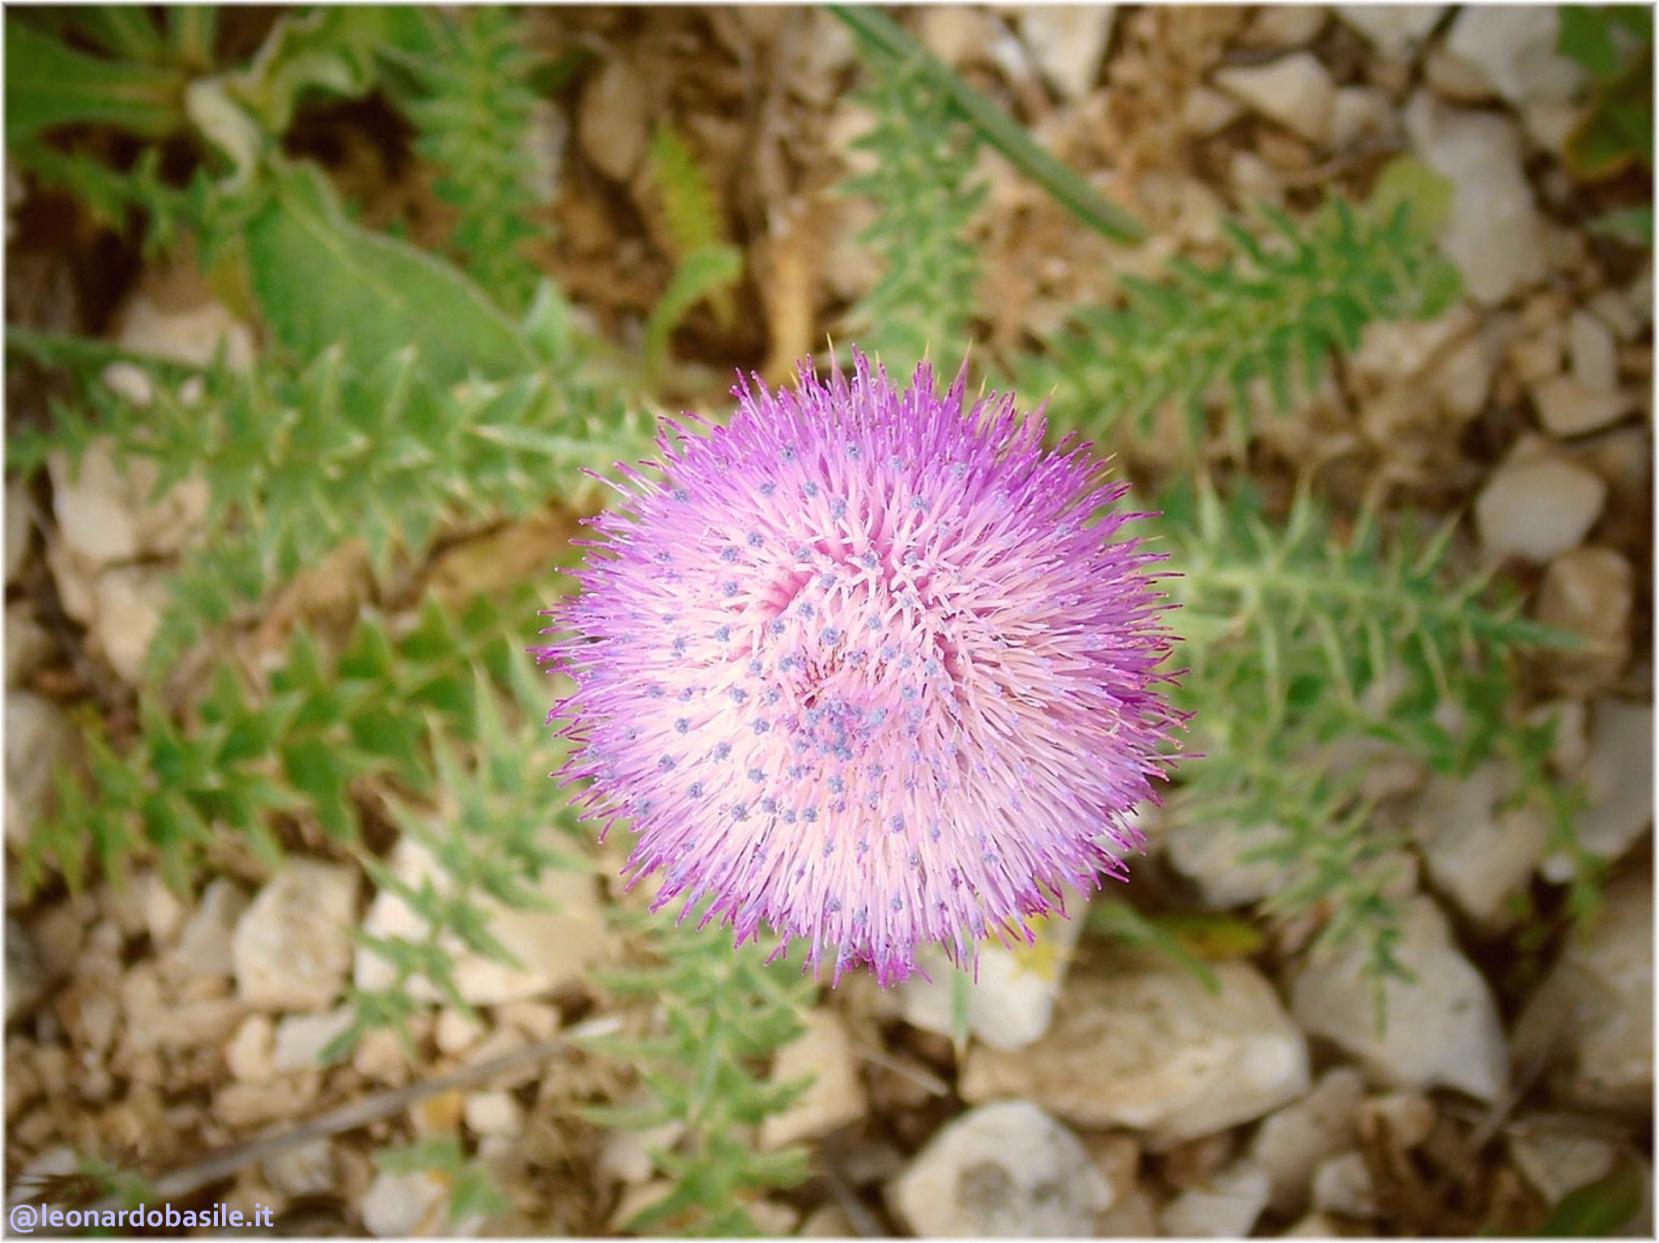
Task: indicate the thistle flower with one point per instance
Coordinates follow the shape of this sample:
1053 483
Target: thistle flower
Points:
867 668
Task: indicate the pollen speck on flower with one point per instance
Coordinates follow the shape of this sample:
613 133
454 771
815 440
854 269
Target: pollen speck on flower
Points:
942 785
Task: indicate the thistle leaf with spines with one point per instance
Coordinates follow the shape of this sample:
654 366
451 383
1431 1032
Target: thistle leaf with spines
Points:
1289 297
473 110
1295 644
722 1011
923 154
298 462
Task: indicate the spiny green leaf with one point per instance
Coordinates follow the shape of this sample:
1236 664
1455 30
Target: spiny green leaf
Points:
1305 296
50 84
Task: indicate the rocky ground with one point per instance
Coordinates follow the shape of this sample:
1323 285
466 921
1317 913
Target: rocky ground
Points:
1103 1092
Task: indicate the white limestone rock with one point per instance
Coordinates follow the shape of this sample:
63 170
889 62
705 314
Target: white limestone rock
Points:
397 1206
1290 1144
39 737
1220 859
1479 852
1395 30
204 944
1590 592
823 1051
177 318
1537 508
1225 1207
128 605
1358 114
1012 1003
1568 407
108 512
612 122
1002 1171
1442 1028
1494 233
554 946
1557 1159
307 1170
1208 111
1067 43
292 946
1593 351
1343 1184
1513 48
1286 25
1618 778
301 1039
28 645
1592 1017
492 1113
1296 91
1146 1045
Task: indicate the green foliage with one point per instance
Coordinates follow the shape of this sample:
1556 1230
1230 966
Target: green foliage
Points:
116 200
473 110
192 30
1601 1209
706 265
691 211
49 84
923 156
1614 44
488 842
886 40
298 462
329 48
293 746
1275 310
723 1011
322 281
692 219
1631 225
704 274
1298 645
473 1191
1120 922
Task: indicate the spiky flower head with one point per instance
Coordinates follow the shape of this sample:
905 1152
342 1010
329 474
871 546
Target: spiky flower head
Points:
867 667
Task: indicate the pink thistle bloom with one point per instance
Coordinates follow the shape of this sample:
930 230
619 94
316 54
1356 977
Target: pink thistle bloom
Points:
868 669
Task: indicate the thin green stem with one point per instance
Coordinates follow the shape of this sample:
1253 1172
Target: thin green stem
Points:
885 36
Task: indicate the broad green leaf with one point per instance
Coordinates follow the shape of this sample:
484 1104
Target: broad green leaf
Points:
49 84
321 281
